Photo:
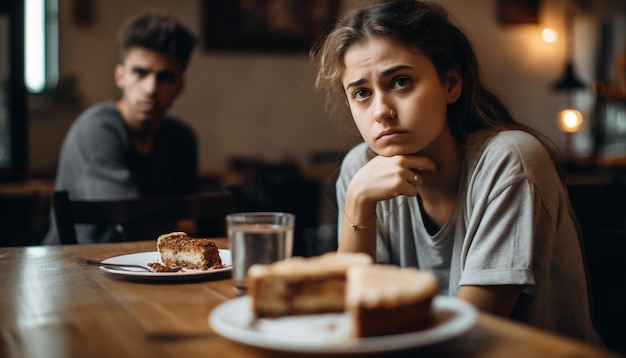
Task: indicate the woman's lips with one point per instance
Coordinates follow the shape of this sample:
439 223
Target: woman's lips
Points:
390 134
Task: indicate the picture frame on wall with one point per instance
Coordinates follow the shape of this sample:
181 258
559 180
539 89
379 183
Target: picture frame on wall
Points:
516 12
265 25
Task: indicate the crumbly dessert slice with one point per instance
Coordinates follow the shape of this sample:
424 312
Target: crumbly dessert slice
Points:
178 249
302 285
386 299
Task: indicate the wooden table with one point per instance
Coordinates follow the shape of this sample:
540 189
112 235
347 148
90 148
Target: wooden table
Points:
54 305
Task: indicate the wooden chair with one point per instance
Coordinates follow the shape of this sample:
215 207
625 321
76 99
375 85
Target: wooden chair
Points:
214 205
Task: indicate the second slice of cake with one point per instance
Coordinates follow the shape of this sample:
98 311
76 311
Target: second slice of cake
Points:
386 299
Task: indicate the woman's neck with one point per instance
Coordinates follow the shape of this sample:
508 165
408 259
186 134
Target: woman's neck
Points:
447 153
438 191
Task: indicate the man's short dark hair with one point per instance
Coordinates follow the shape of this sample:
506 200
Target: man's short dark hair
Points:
158 32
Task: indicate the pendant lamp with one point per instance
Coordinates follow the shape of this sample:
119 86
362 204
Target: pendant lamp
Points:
569 80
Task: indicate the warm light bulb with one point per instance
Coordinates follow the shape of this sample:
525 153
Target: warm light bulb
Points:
570 120
549 35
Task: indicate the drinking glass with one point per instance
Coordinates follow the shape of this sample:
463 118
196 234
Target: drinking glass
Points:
258 237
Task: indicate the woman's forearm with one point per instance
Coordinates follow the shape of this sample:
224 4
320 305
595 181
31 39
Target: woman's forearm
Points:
498 299
358 229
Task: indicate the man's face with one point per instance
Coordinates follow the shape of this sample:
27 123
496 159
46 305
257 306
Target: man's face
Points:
150 82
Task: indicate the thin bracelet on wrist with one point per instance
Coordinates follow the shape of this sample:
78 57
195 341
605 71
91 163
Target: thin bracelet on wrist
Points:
357 226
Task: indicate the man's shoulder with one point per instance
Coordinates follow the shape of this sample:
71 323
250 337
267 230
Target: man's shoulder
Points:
101 108
101 121
103 113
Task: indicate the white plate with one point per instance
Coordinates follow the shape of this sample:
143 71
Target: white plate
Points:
143 258
330 333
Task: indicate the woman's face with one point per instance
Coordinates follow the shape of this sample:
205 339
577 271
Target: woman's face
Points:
397 100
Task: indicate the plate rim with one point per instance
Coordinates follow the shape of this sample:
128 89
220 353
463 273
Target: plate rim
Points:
162 275
465 318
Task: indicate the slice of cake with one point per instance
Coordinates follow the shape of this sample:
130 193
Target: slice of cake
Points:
177 249
302 285
386 299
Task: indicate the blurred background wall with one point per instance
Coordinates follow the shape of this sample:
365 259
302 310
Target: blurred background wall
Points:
264 104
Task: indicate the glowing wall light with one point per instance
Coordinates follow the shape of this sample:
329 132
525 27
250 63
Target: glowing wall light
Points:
549 35
570 120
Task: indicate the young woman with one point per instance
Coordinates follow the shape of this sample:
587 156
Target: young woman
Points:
446 180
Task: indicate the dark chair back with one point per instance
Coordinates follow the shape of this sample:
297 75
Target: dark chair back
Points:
214 205
605 250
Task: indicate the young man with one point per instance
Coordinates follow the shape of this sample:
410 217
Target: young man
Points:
131 147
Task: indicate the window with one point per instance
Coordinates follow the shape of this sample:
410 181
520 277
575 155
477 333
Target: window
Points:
41 50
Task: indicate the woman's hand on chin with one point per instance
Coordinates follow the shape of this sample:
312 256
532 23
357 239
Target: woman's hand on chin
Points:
384 178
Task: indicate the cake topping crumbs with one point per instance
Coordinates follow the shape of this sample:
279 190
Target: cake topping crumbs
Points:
159 267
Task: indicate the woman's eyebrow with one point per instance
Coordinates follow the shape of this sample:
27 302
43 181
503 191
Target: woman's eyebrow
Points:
395 69
355 83
385 73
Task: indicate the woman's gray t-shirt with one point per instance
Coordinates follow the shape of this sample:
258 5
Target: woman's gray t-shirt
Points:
512 225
